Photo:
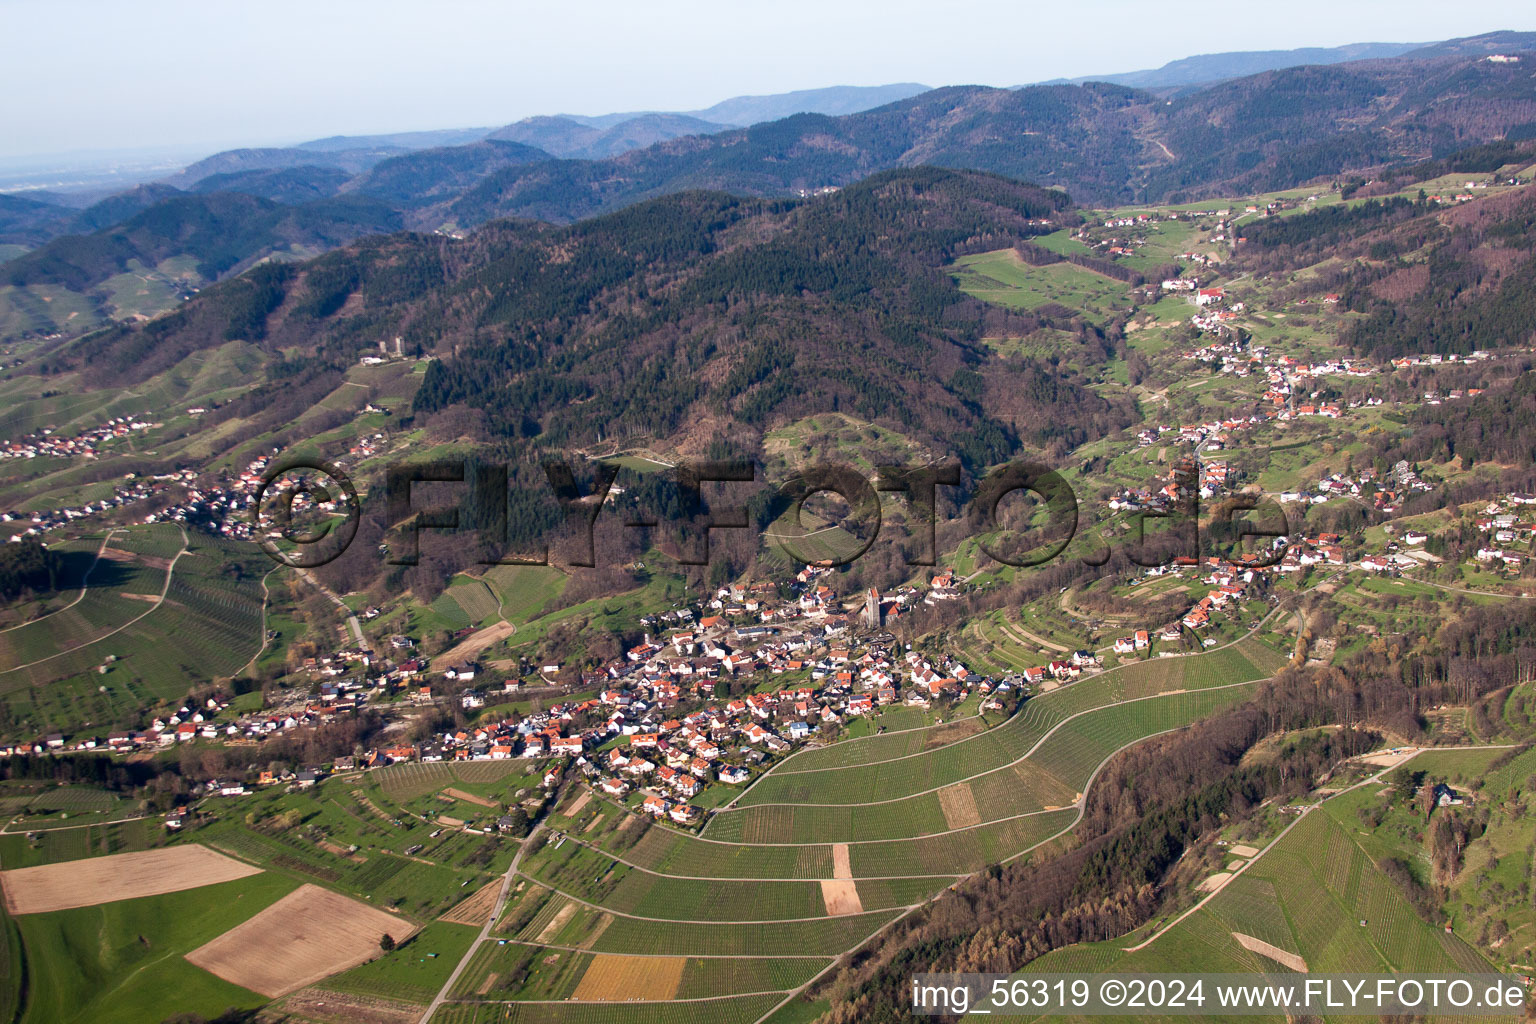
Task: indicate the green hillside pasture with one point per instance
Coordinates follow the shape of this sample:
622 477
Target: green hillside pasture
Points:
1075 751
1052 777
524 589
412 973
736 1010
115 593
413 779
202 377
123 961
208 626
715 976
475 598
807 778
44 309
521 970
957 852
1458 767
595 878
12 976
825 937
664 850
448 613
1498 783
1307 896
138 292
1003 279
50 846
347 397
391 384
52 806
70 799
28 404
963 850
418 886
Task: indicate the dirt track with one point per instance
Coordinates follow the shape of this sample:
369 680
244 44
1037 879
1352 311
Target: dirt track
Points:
470 647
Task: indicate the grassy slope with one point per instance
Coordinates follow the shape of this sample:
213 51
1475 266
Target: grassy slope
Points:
124 961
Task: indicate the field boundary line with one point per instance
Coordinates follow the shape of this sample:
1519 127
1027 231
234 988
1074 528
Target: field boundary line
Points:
265 597
779 768
485 930
760 878
694 920
1081 805
1011 764
616 1002
690 956
165 588
850 842
1308 809
85 579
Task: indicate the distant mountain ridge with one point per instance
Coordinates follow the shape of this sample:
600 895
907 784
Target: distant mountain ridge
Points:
1210 68
1204 69
569 138
1105 144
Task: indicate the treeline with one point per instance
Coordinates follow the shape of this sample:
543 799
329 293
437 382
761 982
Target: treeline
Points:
1039 256
101 770
221 231
1152 802
1498 425
1146 809
1478 291
27 566
1321 229
842 307
1482 159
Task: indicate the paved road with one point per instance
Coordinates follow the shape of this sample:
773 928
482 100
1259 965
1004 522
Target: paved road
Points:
352 623
485 931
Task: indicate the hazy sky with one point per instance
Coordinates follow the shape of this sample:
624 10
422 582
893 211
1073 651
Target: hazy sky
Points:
113 74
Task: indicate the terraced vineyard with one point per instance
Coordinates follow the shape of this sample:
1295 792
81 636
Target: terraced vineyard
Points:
612 909
737 1010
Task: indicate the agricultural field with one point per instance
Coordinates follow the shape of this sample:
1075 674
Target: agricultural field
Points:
1003 278
734 1010
1317 898
613 916
159 608
812 876
1050 774
887 768
116 961
307 935
121 876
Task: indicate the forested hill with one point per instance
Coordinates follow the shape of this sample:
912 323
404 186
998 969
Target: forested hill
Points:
1426 277
220 231
681 319
1103 143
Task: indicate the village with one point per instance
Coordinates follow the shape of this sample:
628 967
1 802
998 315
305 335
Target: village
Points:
652 721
